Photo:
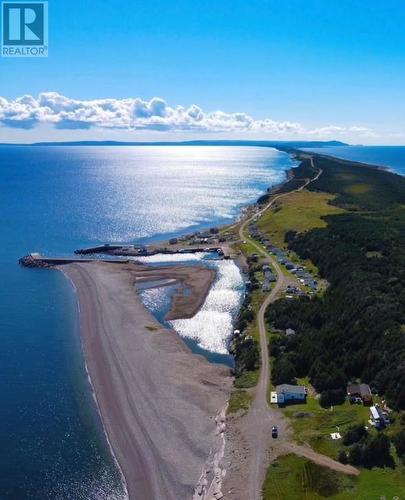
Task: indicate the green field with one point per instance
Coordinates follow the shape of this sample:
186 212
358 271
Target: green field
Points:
247 379
295 478
313 424
359 188
239 400
298 211
246 248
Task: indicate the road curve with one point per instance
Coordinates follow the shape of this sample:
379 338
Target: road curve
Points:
264 379
261 416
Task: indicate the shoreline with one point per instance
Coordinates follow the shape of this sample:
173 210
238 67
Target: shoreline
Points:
92 390
94 378
156 242
353 162
211 387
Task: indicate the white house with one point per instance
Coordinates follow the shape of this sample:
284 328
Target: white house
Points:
287 393
379 418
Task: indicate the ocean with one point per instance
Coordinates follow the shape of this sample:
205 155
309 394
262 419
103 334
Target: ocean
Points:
391 157
54 200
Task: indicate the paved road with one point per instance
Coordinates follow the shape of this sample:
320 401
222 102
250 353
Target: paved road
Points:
261 415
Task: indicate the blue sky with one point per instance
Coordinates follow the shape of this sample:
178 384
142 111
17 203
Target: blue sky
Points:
316 69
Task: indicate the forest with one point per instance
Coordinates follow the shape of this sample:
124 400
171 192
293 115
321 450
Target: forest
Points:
356 329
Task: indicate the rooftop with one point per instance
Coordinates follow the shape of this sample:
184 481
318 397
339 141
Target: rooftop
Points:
363 389
297 389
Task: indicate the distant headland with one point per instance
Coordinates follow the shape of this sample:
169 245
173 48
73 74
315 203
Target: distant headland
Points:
269 144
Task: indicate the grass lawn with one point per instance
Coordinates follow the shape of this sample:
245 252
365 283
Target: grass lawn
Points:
246 248
247 379
252 246
358 188
239 400
313 424
298 211
257 299
295 478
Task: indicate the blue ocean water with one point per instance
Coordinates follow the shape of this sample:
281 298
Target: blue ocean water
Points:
54 200
391 157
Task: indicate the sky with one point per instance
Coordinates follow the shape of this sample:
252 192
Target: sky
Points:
212 69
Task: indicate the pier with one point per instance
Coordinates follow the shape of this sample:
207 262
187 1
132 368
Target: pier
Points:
147 251
106 248
37 260
118 252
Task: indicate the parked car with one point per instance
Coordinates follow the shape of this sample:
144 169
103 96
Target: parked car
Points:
274 431
355 400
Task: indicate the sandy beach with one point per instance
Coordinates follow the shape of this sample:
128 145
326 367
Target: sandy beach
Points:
157 400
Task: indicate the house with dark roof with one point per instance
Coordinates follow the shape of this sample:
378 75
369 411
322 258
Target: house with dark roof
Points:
362 391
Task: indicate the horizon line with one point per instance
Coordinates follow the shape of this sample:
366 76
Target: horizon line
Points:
230 142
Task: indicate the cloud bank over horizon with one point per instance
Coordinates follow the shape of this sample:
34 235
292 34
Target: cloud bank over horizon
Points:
136 114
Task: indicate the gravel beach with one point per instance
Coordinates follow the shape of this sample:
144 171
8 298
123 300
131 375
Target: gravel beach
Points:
157 400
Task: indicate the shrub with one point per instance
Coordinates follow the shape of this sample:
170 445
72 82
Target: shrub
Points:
376 452
283 371
354 434
399 443
332 397
355 455
342 457
246 353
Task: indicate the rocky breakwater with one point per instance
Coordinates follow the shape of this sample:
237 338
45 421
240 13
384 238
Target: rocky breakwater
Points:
33 260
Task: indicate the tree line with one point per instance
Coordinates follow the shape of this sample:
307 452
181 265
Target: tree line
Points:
356 330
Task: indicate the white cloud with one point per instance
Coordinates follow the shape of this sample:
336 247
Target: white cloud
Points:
137 114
